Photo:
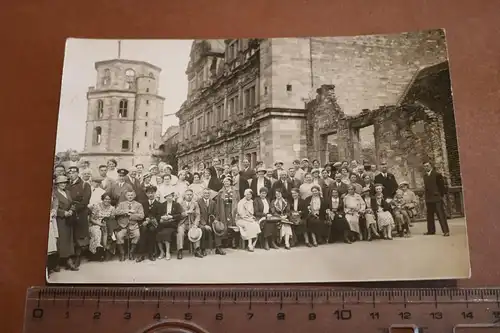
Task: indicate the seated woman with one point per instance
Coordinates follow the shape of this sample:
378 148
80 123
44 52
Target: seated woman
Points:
315 219
100 212
401 216
382 209
369 215
353 204
269 226
245 220
335 212
281 209
298 211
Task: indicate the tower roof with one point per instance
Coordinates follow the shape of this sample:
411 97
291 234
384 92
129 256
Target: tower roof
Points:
126 61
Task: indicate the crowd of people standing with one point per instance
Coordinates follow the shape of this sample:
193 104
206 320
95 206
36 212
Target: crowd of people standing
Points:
141 213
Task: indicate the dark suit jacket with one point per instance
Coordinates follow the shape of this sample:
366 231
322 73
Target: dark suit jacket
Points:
267 184
389 182
279 184
258 208
341 204
435 187
80 193
176 215
296 183
205 211
342 189
189 177
117 192
247 174
242 186
386 207
152 211
140 194
302 207
322 209
215 183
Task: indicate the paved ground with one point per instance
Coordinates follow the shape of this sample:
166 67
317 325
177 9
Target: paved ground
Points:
418 257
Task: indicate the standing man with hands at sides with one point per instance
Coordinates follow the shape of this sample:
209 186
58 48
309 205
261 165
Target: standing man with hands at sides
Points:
435 191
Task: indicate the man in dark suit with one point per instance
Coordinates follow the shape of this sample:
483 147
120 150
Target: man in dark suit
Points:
189 175
388 180
133 180
146 246
338 185
215 182
435 190
291 176
284 184
120 188
207 208
247 172
238 181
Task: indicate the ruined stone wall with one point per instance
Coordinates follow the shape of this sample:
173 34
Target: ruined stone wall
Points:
372 71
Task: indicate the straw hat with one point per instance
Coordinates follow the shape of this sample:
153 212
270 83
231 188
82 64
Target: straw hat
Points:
194 234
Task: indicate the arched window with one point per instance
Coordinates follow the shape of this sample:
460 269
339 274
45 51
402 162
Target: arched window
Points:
130 78
100 109
97 135
151 75
123 108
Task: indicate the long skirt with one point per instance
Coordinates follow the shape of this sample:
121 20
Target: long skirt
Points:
98 237
315 225
353 220
370 219
81 228
384 219
164 234
52 241
270 229
248 228
65 241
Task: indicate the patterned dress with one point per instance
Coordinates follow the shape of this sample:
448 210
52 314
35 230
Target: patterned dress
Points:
97 228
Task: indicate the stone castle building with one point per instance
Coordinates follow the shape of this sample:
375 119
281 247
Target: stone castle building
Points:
125 113
251 98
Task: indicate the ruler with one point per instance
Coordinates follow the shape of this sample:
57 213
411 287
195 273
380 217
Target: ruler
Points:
265 310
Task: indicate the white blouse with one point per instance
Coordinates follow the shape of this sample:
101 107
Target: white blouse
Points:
266 206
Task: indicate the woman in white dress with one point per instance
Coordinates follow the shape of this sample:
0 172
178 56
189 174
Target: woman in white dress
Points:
181 186
245 220
371 222
353 205
305 188
197 187
344 172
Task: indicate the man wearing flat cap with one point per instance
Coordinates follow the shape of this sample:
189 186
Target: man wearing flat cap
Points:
120 188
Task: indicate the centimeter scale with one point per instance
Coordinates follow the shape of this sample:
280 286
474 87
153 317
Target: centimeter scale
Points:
220 310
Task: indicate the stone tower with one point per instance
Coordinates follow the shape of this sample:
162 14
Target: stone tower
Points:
124 113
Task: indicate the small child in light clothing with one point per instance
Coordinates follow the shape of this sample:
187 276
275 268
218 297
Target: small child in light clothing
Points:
401 214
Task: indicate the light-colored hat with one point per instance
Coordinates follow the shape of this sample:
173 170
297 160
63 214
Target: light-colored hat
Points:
261 169
278 162
337 164
146 175
304 160
194 234
61 179
168 166
315 170
404 182
132 169
152 166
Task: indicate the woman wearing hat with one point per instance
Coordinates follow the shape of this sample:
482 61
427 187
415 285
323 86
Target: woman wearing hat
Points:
225 204
245 220
65 222
262 212
171 214
166 188
315 220
298 212
382 209
280 208
371 222
260 181
353 205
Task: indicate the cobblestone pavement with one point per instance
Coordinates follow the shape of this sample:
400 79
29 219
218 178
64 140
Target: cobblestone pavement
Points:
418 257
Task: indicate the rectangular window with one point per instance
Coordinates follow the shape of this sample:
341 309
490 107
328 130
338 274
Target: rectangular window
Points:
137 145
191 127
125 145
147 101
145 133
147 113
146 124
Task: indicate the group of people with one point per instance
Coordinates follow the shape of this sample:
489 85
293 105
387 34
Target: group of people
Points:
138 213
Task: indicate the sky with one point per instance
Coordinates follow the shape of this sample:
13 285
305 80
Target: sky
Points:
79 74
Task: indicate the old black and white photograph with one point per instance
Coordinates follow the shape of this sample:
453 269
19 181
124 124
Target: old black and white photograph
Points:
257 160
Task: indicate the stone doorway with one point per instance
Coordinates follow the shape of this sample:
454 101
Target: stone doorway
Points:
329 152
365 147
